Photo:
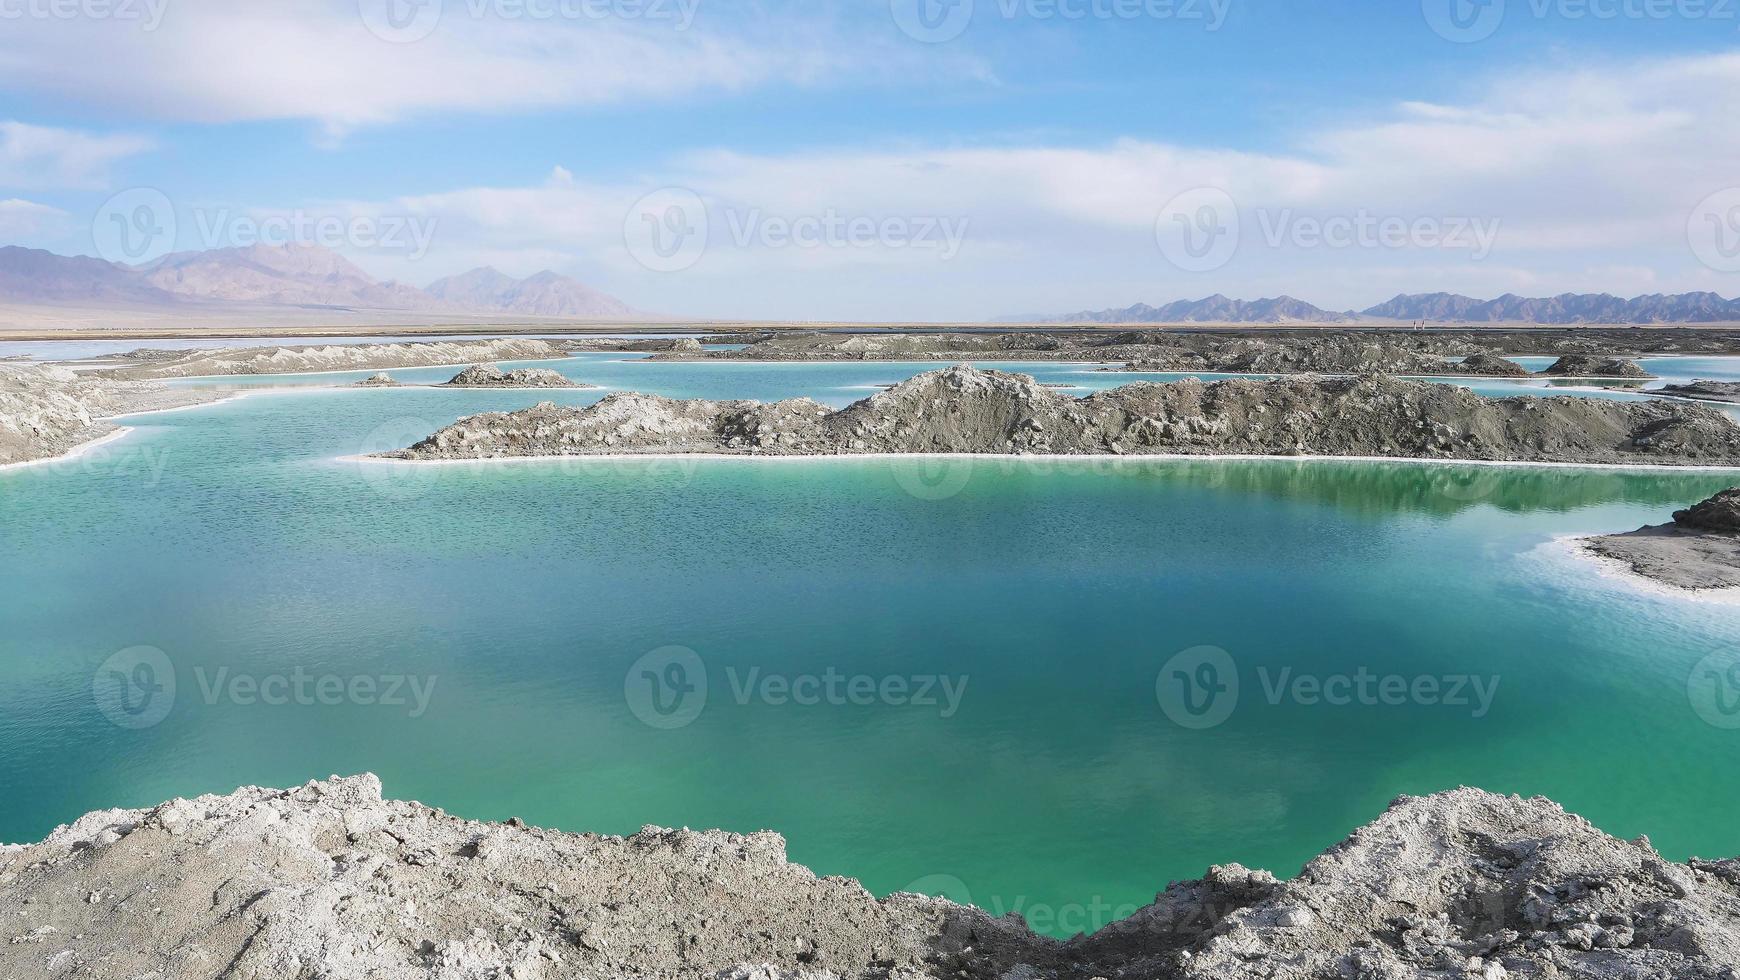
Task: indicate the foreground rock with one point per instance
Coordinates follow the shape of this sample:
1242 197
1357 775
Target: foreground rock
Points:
336 357
965 410
1587 366
1699 550
332 880
491 376
47 411
1713 391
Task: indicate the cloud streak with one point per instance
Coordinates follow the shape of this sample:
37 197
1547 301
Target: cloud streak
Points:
38 157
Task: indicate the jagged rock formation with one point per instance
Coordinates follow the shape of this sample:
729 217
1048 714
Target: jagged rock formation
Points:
1699 550
332 880
1586 366
47 411
965 410
1713 391
338 357
491 376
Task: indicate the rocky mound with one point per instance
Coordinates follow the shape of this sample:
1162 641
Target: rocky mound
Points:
1591 366
46 411
1699 550
965 410
1490 366
491 376
1720 514
338 357
1714 391
332 880
377 381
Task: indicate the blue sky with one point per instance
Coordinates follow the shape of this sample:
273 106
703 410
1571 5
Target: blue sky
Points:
801 161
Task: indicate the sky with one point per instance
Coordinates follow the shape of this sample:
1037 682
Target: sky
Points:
896 160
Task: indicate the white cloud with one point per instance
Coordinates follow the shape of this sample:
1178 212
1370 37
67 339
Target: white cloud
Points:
1590 178
26 219
326 61
41 156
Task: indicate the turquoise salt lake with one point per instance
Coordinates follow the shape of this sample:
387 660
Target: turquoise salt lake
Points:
985 679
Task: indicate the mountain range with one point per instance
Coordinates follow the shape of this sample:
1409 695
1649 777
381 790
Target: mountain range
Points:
1569 308
285 276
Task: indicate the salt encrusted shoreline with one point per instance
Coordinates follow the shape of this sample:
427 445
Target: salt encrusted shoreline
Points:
334 880
1699 551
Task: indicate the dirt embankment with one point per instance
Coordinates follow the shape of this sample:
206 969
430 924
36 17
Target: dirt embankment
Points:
48 411
332 880
1699 550
330 357
966 410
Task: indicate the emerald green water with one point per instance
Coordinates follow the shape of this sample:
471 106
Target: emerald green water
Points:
233 536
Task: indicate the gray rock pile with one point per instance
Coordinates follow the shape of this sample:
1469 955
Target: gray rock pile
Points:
1713 391
965 410
1590 366
491 376
331 880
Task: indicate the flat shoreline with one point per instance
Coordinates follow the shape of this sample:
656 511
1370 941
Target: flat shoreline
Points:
1576 548
81 449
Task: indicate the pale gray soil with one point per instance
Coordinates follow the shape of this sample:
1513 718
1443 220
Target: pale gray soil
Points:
965 410
332 881
1263 351
1714 391
1699 550
48 411
1586 366
332 357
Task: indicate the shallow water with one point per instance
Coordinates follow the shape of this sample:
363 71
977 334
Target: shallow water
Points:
1071 780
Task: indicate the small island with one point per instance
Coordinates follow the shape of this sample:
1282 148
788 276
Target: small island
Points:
491 376
1700 550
